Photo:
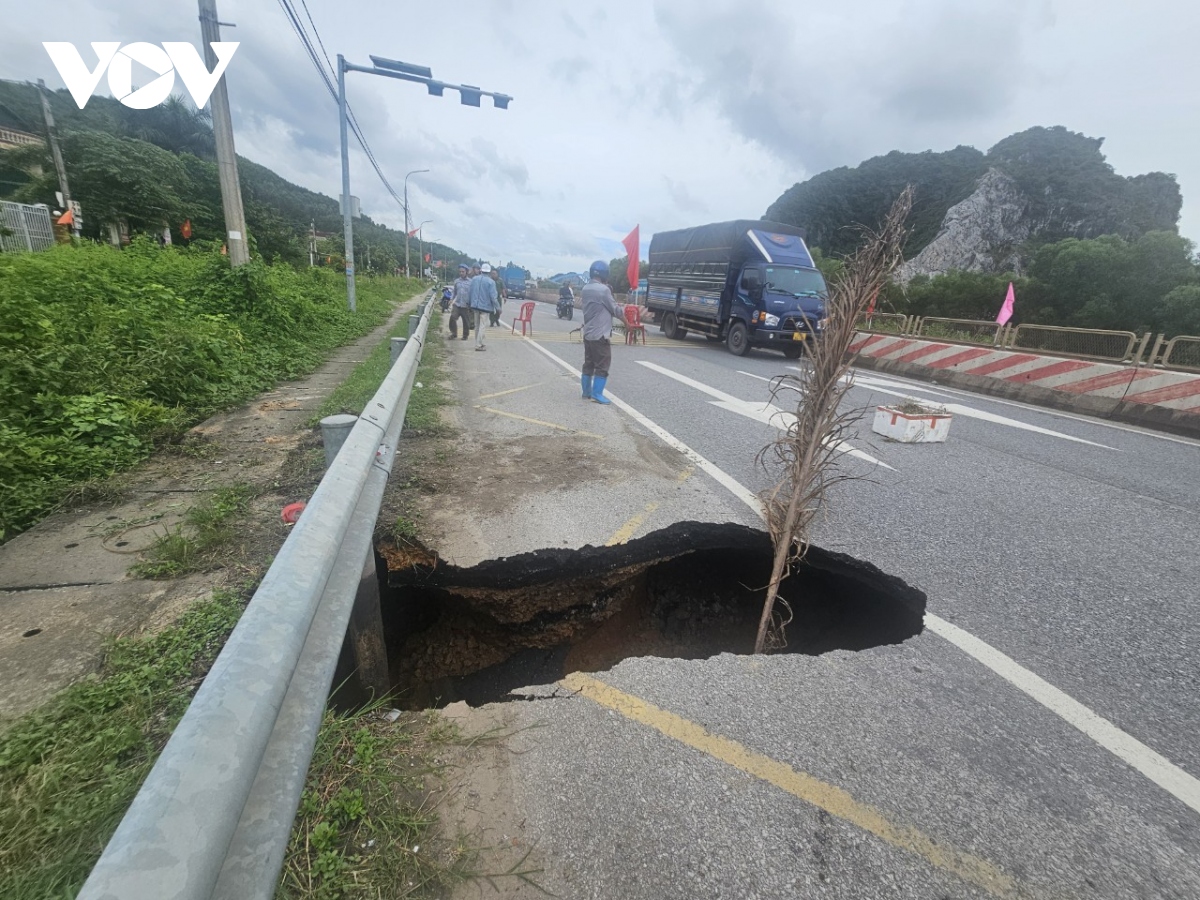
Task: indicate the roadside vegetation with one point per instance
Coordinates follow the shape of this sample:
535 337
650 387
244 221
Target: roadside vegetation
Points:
69 770
106 353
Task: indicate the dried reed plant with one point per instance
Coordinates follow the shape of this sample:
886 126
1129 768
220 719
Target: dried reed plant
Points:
808 452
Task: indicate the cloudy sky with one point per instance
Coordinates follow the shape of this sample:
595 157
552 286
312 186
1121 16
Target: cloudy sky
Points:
668 113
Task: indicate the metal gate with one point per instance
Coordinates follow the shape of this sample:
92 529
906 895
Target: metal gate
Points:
25 228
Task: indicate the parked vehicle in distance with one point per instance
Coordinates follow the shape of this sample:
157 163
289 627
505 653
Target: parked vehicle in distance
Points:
513 278
749 283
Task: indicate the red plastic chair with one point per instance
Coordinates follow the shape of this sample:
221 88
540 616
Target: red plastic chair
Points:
633 325
525 318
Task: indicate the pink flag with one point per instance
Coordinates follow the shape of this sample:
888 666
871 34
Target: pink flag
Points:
1006 310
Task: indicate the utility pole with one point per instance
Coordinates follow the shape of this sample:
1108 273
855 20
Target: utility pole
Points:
231 190
407 226
59 166
312 245
347 225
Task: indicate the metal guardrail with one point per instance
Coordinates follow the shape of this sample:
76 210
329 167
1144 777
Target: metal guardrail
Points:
212 819
1091 343
1182 352
959 331
884 323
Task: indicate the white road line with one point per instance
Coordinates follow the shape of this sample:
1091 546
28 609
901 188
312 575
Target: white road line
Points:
1150 763
716 472
1157 768
1044 411
767 413
970 412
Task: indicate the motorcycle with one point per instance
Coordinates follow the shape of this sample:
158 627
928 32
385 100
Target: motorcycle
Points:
445 301
566 308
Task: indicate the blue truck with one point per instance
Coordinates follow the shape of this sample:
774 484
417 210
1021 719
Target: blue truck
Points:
514 281
749 283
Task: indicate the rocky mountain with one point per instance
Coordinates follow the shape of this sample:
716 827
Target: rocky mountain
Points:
984 212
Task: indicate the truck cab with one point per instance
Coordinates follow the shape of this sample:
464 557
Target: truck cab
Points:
747 283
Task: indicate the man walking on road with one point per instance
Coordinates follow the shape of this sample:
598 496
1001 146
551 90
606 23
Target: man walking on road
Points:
501 296
599 307
483 301
462 304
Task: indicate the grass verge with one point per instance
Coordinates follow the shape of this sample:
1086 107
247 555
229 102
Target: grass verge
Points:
69 770
209 527
366 827
352 395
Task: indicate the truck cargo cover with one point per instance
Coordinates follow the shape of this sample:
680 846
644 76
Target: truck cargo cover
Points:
732 242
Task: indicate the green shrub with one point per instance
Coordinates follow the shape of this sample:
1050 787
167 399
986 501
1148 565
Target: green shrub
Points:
105 352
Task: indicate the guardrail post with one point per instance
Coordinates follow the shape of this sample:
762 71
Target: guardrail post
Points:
362 670
398 347
1136 358
1158 345
413 321
334 431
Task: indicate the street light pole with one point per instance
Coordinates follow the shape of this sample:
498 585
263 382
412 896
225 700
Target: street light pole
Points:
421 246
347 226
407 229
469 95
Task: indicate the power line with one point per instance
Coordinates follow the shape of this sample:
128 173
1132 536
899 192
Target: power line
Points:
328 77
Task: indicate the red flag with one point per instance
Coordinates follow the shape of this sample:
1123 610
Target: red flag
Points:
66 218
186 229
633 247
426 257
1006 311
413 233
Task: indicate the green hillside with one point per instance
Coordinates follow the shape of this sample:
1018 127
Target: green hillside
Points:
156 167
1072 192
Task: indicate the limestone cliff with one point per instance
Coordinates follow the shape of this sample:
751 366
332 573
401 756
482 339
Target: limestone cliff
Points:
980 234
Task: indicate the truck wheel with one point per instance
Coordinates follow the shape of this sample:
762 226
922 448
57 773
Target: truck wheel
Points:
793 352
739 339
671 328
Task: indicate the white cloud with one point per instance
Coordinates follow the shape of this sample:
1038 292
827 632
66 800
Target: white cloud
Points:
670 113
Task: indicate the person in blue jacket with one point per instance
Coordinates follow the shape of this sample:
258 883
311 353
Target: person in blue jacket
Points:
483 301
599 308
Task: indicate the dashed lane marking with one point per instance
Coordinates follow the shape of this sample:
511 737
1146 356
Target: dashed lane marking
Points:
500 412
835 801
509 391
625 532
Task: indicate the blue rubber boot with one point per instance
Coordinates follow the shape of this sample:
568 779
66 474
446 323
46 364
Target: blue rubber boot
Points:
586 381
598 384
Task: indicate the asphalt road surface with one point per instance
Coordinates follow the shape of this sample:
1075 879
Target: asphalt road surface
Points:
1039 739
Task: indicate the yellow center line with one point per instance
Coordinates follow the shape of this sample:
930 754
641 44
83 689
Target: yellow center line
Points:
500 412
509 391
835 801
625 532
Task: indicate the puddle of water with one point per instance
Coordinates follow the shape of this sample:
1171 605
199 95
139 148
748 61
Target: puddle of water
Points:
691 591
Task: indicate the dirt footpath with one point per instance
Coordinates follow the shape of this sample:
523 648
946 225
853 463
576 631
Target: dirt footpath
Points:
64 585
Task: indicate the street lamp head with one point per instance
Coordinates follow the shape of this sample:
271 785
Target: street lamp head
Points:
501 100
436 88
407 68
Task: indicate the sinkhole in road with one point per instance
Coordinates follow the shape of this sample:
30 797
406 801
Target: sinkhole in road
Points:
690 591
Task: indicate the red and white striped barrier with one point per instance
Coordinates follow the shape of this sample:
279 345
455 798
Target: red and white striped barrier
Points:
1153 387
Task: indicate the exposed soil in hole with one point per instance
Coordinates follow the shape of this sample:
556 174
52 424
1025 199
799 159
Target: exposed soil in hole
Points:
690 592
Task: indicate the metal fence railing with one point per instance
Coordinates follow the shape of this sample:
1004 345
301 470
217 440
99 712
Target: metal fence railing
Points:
1182 352
961 331
884 323
25 228
1117 346
212 819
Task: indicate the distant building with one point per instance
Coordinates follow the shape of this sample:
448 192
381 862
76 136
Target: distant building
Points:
14 132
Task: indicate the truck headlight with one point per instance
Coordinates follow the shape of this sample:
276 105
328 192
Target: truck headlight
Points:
770 321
